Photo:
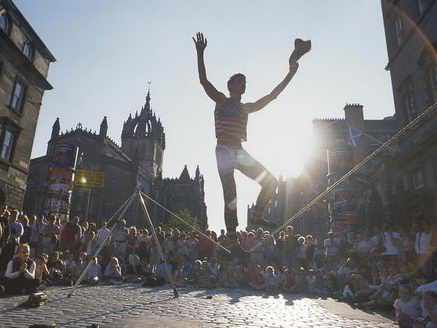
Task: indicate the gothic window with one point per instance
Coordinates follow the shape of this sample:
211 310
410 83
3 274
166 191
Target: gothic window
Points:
28 50
17 96
5 23
8 138
399 29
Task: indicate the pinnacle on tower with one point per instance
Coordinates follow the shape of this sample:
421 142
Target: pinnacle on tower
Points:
103 128
55 129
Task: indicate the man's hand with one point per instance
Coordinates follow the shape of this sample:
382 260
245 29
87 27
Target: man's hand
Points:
201 42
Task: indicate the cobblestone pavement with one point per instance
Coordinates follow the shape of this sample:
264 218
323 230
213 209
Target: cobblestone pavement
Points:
130 305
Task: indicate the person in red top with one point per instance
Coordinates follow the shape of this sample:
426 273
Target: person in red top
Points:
231 117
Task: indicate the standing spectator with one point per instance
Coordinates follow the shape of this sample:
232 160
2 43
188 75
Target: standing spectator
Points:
331 246
50 235
16 228
25 238
103 234
36 235
70 235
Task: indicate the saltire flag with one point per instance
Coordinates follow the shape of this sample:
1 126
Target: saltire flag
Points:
354 136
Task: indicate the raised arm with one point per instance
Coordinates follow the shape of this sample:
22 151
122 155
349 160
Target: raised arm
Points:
262 102
201 42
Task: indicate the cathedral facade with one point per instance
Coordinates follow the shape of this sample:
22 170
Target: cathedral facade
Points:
106 174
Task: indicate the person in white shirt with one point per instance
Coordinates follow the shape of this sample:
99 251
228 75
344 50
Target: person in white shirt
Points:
94 272
20 272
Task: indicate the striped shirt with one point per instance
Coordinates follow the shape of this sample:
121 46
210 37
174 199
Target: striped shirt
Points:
230 122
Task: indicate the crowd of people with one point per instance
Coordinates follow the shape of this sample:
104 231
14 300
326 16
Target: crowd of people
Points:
383 269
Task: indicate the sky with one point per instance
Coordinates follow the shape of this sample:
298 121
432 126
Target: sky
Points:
107 50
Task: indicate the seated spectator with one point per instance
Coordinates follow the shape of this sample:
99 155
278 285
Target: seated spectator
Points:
135 265
113 271
255 277
271 279
20 273
94 272
41 270
407 306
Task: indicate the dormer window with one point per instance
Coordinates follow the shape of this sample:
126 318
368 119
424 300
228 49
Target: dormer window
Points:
4 23
28 50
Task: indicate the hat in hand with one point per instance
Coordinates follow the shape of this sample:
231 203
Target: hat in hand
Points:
301 47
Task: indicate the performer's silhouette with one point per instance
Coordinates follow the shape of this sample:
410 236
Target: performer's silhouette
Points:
230 128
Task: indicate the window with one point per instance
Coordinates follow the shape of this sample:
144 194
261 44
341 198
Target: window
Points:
7 144
418 181
4 23
28 50
17 96
399 28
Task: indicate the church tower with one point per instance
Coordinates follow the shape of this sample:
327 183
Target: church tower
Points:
143 140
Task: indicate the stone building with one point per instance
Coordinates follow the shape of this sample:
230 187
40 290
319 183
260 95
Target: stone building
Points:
137 163
24 65
355 202
410 180
342 144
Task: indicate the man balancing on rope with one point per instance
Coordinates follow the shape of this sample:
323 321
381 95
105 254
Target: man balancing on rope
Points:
230 128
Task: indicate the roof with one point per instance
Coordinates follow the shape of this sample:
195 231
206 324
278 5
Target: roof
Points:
14 12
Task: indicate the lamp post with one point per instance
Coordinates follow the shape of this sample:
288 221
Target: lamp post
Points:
83 181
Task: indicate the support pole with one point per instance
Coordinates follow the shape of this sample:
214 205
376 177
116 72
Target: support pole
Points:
158 244
123 209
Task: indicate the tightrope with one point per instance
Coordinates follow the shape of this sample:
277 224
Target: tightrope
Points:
185 222
429 111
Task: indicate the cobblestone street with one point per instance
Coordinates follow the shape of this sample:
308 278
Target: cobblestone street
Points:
134 306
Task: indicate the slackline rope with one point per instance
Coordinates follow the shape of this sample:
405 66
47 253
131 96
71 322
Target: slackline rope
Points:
429 111
185 222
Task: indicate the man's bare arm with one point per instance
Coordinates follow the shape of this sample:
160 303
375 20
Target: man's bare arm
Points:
210 90
264 101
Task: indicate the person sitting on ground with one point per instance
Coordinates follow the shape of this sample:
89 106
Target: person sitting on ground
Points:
41 270
113 271
255 277
56 268
271 280
20 273
407 306
94 272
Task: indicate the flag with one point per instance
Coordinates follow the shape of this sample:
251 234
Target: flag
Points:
354 136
